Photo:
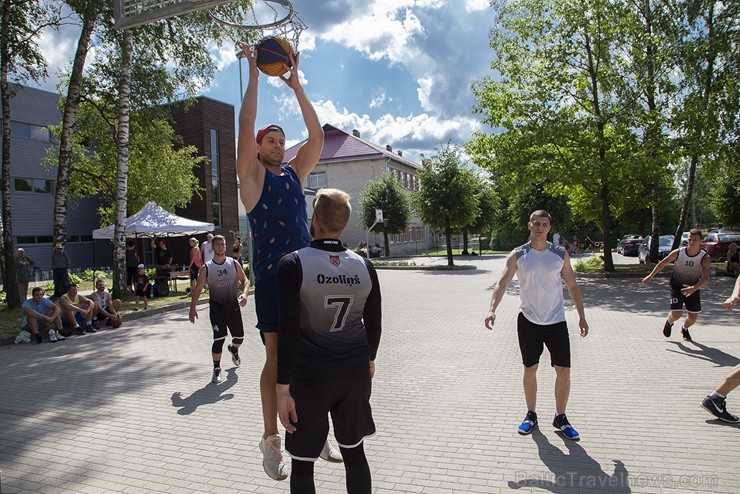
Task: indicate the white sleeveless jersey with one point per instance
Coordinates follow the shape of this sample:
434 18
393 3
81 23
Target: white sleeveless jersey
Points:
207 252
687 269
223 283
540 283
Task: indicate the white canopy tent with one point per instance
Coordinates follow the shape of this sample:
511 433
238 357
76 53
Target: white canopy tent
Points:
154 221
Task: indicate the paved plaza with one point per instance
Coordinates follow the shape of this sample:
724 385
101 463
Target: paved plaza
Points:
133 411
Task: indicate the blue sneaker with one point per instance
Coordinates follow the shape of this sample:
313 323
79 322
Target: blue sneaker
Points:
561 422
528 425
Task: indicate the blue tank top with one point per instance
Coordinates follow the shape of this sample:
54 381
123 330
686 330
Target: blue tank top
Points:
279 222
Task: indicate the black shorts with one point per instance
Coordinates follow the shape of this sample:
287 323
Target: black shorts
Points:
140 293
692 302
533 336
194 272
346 395
221 319
130 273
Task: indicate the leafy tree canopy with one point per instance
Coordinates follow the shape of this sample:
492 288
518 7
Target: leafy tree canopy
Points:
160 169
386 193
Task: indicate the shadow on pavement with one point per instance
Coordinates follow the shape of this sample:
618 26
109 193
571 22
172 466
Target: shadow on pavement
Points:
207 395
706 353
572 472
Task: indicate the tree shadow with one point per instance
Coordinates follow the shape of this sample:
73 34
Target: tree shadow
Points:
207 395
573 471
706 353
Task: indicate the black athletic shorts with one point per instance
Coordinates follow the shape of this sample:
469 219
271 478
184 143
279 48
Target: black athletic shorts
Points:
221 319
130 273
692 302
346 396
533 336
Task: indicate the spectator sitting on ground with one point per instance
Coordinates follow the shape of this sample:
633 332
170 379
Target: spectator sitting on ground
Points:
106 308
733 260
39 312
77 310
141 287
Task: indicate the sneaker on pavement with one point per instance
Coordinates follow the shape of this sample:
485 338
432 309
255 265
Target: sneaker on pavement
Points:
529 423
330 453
79 331
216 375
685 333
561 422
272 458
235 355
59 335
23 337
90 329
667 329
38 337
95 325
53 336
716 406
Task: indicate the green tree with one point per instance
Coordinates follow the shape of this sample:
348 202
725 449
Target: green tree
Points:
650 43
386 193
447 199
21 23
159 169
706 116
489 212
555 93
138 68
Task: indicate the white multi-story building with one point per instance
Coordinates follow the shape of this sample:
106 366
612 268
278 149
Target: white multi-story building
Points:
349 163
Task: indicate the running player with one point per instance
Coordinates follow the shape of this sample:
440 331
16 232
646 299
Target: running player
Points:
715 402
690 273
222 274
329 332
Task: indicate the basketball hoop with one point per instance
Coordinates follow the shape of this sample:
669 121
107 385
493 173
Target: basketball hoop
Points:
261 17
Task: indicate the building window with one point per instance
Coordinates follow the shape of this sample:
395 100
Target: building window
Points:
216 177
316 180
38 239
33 185
29 131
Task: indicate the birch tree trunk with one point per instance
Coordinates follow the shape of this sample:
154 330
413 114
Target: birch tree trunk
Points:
124 109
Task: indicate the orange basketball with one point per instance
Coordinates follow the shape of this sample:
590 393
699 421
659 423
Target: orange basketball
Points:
273 55
116 322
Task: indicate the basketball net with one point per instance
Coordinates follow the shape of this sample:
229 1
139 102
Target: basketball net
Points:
259 19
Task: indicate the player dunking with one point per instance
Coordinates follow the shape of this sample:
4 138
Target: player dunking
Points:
223 275
690 274
273 197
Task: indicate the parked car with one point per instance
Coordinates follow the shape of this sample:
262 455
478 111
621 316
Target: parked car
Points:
629 245
684 239
716 244
665 242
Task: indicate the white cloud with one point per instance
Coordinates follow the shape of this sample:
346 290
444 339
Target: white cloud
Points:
414 134
379 34
378 100
477 5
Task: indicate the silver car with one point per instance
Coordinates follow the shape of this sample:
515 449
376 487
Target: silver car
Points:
665 242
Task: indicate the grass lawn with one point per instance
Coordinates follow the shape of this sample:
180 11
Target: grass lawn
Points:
10 319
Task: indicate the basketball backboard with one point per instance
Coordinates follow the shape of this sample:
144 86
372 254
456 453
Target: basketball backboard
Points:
131 13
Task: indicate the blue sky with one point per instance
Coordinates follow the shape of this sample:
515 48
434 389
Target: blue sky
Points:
399 71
